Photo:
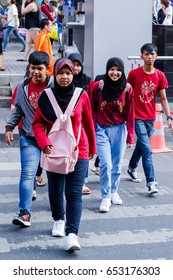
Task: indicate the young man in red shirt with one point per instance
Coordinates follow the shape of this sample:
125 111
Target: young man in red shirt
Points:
146 82
28 92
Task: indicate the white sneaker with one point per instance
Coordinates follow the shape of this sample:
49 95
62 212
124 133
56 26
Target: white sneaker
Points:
71 242
116 199
58 228
152 188
105 204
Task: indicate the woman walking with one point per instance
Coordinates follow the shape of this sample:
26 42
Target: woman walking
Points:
113 113
70 183
30 10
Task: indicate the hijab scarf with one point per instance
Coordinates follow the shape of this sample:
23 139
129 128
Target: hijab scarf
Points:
77 79
113 89
63 94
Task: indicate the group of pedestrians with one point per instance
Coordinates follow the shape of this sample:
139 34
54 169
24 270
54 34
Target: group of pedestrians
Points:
109 111
33 15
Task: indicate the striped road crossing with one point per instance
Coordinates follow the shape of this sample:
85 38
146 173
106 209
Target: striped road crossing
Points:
141 228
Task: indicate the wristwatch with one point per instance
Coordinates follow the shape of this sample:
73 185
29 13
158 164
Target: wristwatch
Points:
169 118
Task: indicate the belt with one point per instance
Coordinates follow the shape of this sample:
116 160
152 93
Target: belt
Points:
23 133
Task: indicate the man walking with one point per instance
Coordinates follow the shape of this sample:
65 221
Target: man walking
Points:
146 82
26 99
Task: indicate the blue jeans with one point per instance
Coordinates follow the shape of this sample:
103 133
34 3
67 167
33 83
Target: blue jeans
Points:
30 156
111 145
71 184
144 130
7 34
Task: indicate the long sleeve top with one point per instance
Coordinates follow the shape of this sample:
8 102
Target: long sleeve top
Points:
109 113
45 9
81 115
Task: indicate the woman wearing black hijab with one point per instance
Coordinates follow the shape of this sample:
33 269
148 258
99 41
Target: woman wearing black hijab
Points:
71 183
113 114
80 79
83 81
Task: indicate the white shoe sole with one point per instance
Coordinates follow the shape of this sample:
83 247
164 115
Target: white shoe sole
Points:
18 222
102 210
117 203
57 234
152 192
136 180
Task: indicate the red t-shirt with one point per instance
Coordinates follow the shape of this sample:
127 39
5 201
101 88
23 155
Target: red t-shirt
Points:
145 88
34 91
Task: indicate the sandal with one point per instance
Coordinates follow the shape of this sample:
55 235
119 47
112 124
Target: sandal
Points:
96 170
86 190
2 69
40 182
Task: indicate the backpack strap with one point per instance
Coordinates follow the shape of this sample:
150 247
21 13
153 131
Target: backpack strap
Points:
53 102
70 106
73 101
127 88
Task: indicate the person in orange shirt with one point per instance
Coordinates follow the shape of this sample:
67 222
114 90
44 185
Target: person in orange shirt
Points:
43 43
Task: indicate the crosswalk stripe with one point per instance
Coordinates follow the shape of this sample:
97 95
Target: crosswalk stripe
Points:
9 166
102 239
99 238
126 237
4 246
5 181
116 212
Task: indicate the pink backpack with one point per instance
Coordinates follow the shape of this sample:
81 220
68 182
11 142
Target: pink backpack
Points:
65 147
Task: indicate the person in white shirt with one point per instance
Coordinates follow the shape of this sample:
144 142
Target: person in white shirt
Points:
13 24
167 10
156 7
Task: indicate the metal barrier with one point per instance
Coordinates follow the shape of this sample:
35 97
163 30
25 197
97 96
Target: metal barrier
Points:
136 58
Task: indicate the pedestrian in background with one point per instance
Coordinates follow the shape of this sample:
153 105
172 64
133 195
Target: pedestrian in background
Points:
113 114
165 13
80 79
42 42
146 82
70 183
47 12
26 99
13 24
30 10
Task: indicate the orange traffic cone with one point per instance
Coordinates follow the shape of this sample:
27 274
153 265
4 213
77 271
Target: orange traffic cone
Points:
157 140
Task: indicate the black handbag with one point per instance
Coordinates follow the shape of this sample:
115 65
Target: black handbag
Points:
161 16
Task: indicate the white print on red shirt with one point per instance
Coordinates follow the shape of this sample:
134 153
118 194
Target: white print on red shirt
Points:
33 98
147 89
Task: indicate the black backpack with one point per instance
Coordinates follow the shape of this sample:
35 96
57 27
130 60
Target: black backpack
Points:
161 16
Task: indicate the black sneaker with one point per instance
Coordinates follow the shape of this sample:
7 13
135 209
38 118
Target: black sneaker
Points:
133 175
22 50
23 219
